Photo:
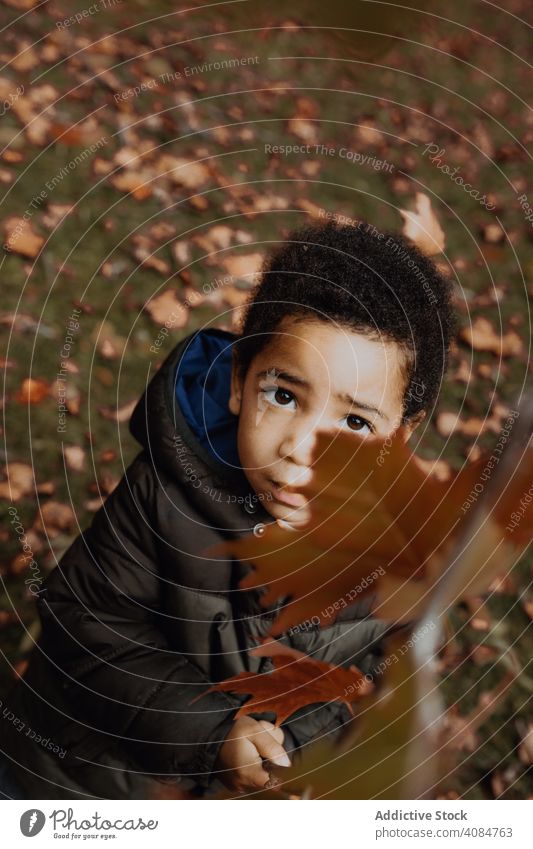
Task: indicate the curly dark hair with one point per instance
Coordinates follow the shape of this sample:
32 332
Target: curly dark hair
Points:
363 279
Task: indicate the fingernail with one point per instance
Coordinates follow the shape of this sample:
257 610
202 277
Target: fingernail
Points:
281 760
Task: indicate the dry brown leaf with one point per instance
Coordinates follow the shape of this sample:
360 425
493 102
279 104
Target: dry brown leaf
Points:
448 423
23 5
295 681
182 252
481 336
375 512
84 134
136 183
55 213
303 129
74 457
32 391
493 234
26 59
30 111
20 237
167 310
20 481
422 226
55 518
69 394
162 231
368 134
243 266
118 414
311 208
216 238
148 260
183 172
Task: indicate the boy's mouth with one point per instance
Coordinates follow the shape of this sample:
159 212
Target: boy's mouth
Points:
281 494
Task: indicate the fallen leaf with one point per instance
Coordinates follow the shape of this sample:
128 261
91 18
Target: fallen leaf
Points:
311 208
216 238
368 134
118 414
23 5
422 227
381 524
303 129
162 231
74 457
481 336
493 234
68 393
182 252
55 518
55 214
144 252
244 266
21 238
296 680
167 310
32 391
183 172
20 481
26 59
84 134
137 184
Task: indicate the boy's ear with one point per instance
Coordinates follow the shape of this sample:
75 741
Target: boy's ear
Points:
407 429
235 395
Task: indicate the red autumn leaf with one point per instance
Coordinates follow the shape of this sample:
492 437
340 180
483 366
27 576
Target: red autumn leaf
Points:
296 680
379 523
32 391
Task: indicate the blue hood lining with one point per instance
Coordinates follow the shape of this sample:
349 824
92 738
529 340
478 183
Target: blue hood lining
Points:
203 380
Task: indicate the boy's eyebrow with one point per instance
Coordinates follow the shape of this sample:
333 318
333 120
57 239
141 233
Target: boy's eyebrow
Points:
339 396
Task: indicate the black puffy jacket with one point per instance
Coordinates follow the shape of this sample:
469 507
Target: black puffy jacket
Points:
137 621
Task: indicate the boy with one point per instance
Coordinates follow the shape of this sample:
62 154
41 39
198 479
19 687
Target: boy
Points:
137 619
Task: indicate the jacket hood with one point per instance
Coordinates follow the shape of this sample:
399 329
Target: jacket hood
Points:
183 422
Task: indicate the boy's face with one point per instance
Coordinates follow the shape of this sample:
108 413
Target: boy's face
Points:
311 376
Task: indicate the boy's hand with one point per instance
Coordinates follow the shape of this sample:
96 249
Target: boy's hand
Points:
239 757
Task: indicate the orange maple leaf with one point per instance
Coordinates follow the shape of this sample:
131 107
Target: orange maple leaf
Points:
379 522
296 680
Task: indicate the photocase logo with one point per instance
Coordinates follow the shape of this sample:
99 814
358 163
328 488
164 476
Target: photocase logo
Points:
32 822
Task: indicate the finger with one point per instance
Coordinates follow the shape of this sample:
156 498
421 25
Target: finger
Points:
254 776
269 748
275 730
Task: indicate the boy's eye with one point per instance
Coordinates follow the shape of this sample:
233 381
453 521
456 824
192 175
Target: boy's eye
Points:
357 423
278 397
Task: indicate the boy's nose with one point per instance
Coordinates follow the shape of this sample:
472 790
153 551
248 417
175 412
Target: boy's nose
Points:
298 445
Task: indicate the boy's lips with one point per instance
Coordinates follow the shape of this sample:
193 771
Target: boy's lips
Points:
281 494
